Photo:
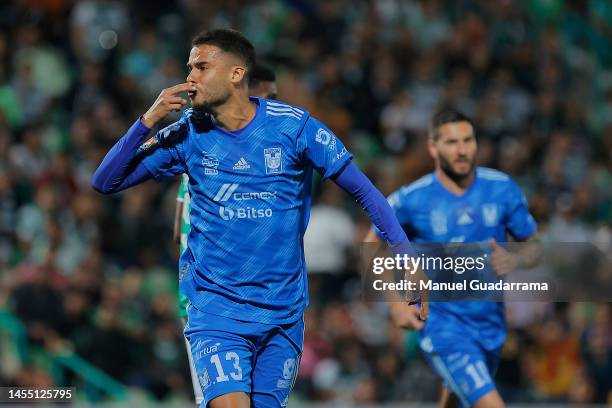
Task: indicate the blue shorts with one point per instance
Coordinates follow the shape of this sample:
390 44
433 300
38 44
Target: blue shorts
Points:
466 368
261 360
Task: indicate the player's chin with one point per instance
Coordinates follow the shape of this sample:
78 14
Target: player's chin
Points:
197 103
463 168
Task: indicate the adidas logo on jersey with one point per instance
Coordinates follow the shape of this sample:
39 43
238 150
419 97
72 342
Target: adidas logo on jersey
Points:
241 164
464 219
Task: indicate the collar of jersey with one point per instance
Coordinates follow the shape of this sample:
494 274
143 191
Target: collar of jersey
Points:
465 194
249 126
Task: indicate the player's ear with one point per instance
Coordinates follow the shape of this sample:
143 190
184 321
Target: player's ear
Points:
431 147
237 74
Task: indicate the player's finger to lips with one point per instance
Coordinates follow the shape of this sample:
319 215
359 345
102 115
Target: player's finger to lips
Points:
184 87
181 86
177 99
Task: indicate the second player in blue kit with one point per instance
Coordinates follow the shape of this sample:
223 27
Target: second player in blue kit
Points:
460 202
250 163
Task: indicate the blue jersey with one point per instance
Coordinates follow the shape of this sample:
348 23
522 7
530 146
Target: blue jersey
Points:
492 207
250 199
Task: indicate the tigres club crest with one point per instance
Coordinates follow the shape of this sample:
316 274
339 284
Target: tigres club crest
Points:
274 160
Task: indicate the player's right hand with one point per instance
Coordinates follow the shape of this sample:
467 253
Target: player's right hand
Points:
410 317
167 101
502 260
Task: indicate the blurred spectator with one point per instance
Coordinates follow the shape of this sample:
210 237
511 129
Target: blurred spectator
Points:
328 239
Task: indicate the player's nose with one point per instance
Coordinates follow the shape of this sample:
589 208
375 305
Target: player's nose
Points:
190 78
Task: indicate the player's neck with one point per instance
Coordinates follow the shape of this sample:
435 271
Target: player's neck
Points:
456 186
235 113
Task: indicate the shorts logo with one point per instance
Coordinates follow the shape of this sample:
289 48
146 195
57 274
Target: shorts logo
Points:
289 368
204 379
288 374
274 160
205 350
183 269
211 349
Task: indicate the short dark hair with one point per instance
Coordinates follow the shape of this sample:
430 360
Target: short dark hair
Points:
446 116
261 74
231 41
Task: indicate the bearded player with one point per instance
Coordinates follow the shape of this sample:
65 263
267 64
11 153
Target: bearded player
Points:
250 163
460 202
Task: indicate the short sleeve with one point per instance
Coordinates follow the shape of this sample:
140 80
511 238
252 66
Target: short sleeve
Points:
398 203
520 223
164 156
318 145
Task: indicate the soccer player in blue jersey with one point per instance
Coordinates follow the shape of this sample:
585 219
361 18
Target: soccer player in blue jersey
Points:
250 163
262 84
460 202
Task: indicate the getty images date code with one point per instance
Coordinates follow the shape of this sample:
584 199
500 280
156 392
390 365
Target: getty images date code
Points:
14 394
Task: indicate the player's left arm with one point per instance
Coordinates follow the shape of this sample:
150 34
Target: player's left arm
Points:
371 200
318 145
521 225
330 157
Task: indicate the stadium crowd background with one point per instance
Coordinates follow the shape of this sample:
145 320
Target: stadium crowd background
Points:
96 275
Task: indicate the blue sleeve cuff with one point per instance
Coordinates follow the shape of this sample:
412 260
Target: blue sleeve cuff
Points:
404 248
141 127
377 232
